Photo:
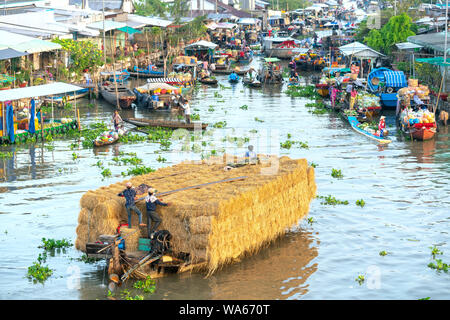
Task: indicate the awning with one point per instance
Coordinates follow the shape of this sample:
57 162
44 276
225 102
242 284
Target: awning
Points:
25 44
129 30
149 21
109 25
10 53
437 61
37 45
359 50
408 46
247 21
202 43
395 79
37 91
158 85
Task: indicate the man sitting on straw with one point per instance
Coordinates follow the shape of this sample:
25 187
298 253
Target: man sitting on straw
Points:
151 202
130 196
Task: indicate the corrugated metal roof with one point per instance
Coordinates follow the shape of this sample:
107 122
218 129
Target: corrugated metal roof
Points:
435 41
37 91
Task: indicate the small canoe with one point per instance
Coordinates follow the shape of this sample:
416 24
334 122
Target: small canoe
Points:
141 122
208 81
99 143
354 124
254 84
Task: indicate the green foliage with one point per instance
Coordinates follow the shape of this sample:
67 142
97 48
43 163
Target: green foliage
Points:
397 30
83 54
330 200
435 251
258 120
106 173
383 253
220 124
147 285
137 171
244 107
51 244
375 40
335 173
360 203
303 92
6 155
38 272
360 279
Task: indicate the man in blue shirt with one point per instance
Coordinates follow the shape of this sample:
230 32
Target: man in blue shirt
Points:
130 197
250 155
151 201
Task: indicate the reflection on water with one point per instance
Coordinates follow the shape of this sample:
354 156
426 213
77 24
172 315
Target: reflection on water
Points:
404 185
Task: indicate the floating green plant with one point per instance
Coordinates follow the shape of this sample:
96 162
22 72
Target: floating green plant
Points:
51 244
360 279
335 173
360 203
220 124
330 200
383 253
435 251
106 173
38 272
148 285
244 107
258 120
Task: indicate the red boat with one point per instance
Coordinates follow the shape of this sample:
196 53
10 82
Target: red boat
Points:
423 131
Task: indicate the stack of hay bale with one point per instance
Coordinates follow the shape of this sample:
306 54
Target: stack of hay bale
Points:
217 223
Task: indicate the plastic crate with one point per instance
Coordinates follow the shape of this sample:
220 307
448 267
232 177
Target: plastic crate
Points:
144 244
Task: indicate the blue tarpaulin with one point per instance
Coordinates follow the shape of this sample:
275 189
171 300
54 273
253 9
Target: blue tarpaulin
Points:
10 122
395 79
31 127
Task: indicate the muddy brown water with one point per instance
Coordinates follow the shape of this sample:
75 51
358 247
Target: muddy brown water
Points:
404 186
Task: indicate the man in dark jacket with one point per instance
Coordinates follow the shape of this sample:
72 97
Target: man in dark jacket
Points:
151 202
130 197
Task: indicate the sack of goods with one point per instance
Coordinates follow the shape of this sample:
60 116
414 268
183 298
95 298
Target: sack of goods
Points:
65 120
413 83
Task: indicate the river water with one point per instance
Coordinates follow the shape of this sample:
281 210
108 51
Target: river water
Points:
404 186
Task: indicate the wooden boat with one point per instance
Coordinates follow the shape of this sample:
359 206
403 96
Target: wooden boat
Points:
98 143
146 73
420 131
322 89
230 71
141 122
208 81
126 96
353 121
251 83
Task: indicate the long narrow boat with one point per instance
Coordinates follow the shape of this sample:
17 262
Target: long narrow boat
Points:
353 121
99 143
141 122
230 71
209 81
251 83
126 96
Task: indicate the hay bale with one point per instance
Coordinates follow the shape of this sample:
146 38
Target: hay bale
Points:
216 224
200 224
132 238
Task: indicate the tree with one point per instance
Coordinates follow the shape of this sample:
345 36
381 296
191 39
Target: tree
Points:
178 9
375 40
151 8
397 30
83 54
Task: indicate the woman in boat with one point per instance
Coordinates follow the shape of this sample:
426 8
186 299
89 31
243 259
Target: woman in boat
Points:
117 120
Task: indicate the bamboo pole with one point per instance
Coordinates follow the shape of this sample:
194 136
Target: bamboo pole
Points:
114 74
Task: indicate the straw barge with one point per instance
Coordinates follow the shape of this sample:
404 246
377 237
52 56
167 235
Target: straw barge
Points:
215 216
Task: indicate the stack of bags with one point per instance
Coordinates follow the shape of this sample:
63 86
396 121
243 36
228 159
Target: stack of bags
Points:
366 100
413 88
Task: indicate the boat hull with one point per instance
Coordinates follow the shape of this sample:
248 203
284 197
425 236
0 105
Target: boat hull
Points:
140 122
353 121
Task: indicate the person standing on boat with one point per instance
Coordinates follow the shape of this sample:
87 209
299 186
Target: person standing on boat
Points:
117 120
187 110
130 197
151 202
382 126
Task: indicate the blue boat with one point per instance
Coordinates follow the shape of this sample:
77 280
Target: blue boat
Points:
354 124
121 76
385 83
149 71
